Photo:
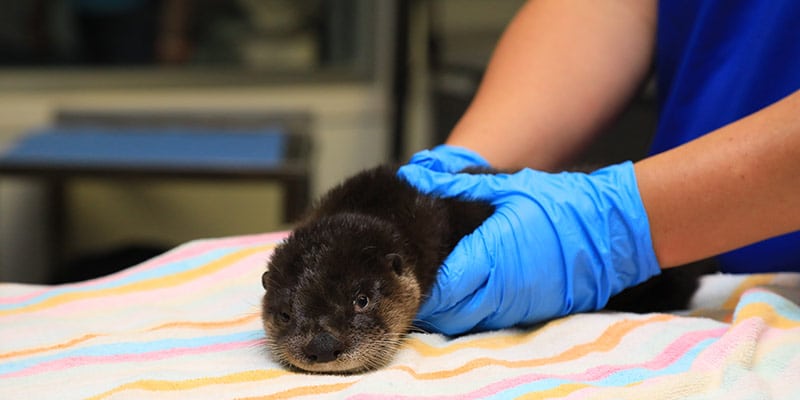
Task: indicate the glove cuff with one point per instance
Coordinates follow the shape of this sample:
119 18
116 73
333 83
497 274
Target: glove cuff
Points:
636 263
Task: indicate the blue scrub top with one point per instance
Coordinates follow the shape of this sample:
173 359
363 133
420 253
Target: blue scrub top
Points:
718 61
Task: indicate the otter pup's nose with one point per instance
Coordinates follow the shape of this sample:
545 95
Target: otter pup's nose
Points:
323 348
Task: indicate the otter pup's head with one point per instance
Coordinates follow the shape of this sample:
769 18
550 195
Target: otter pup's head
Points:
340 295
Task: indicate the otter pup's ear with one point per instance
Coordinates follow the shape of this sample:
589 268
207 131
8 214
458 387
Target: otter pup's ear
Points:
264 278
396 262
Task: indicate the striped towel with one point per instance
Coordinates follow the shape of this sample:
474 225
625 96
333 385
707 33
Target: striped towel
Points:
186 325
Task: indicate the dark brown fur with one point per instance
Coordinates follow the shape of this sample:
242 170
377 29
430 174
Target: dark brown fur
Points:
344 288
373 236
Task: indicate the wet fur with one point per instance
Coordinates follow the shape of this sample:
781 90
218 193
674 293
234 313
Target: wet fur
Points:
376 236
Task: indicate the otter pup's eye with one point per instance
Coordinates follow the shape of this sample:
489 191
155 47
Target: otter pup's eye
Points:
361 302
282 317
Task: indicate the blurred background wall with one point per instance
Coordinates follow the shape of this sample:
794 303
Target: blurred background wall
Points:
378 79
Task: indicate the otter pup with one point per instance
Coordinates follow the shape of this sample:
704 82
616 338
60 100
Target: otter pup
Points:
344 288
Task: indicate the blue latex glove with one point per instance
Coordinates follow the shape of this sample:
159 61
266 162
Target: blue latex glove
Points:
557 244
446 158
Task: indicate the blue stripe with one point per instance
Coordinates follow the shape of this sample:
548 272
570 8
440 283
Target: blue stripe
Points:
782 306
617 379
123 349
155 273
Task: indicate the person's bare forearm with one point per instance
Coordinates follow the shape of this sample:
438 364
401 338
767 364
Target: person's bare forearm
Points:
562 69
735 186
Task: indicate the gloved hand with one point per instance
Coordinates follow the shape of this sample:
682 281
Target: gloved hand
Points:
446 158
557 244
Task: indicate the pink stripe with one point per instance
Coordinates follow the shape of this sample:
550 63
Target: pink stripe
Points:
73 362
670 354
744 333
124 302
189 251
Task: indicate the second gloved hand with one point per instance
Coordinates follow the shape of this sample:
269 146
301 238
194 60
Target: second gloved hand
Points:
557 244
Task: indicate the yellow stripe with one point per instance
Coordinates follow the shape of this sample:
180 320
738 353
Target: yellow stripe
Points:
59 346
206 324
496 341
151 284
304 391
767 313
558 391
605 342
673 386
178 324
748 283
157 385
676 386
